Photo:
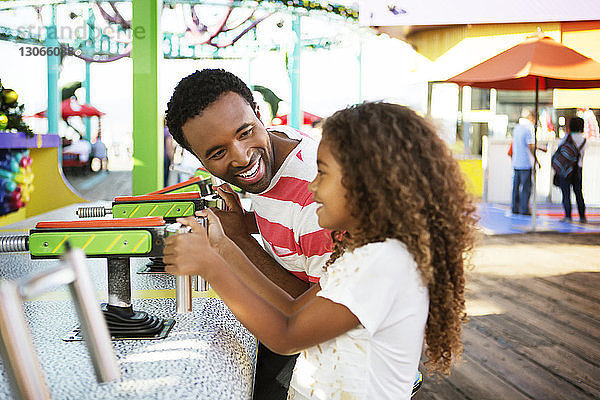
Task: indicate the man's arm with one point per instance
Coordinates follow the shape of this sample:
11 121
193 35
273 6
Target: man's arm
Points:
266 264
532 151
239 225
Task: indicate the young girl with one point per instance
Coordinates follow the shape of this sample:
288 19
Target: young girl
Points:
402 223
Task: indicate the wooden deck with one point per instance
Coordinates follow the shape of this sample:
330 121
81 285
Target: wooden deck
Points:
533 333
534 306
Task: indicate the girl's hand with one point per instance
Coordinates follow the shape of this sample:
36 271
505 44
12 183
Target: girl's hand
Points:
190 253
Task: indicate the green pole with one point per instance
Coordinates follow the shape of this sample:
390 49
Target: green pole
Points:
295 117
148 142
53 113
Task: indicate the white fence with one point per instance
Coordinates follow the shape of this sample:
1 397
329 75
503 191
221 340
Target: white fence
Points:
498 172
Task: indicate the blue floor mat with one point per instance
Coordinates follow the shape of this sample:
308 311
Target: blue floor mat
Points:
497 219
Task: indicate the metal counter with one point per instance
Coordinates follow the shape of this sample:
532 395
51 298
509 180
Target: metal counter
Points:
207 355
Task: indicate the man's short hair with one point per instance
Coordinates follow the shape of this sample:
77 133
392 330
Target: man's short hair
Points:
527 113
576 124
194 93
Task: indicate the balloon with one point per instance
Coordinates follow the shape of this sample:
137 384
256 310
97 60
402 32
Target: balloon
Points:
14 196
24 177
10 96
25 161
7 174
7 185
16 204
26 193
5 208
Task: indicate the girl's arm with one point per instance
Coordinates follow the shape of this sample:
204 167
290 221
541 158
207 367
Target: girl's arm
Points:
317 321
191 254
283 324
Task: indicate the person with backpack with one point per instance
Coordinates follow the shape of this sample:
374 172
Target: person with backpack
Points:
571 148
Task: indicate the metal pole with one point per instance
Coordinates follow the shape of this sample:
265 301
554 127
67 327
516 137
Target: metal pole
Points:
200 285
88 83
359 59
183 294
53 112
93 324
429 98
183 283
119 282
16 344
296 118
535 161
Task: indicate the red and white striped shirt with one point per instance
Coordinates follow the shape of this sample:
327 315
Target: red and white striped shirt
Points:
286 212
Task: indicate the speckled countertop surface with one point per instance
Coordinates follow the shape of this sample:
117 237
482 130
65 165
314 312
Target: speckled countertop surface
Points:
207 355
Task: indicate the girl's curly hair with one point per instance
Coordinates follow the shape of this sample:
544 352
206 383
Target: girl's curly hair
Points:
402 182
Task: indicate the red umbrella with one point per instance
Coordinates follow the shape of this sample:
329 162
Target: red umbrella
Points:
538 63
539 60
72 108
309 118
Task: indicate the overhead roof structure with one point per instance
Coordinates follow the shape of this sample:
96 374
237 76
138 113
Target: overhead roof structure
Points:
211 28
408 20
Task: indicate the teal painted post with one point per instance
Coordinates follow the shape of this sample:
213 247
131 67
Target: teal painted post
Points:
295 114
53 112
87 84
148 142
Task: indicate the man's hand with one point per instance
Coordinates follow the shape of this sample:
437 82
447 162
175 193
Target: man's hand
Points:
192 253
230 196
234 220
217 238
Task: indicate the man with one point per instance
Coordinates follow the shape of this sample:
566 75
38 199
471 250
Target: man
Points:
523 149
576 125
212 114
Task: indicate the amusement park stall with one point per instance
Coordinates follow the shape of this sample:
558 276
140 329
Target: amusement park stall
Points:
201 351
29 167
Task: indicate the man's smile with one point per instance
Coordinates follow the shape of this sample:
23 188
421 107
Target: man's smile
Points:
253 173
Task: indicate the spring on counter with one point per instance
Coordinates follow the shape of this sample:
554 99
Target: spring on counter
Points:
88 212
14 243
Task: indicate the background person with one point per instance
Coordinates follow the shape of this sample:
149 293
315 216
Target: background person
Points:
523 148
169 151
401 222
575 134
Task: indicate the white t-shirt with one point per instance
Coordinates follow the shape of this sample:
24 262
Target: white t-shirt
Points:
381 286
286 212
522 138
